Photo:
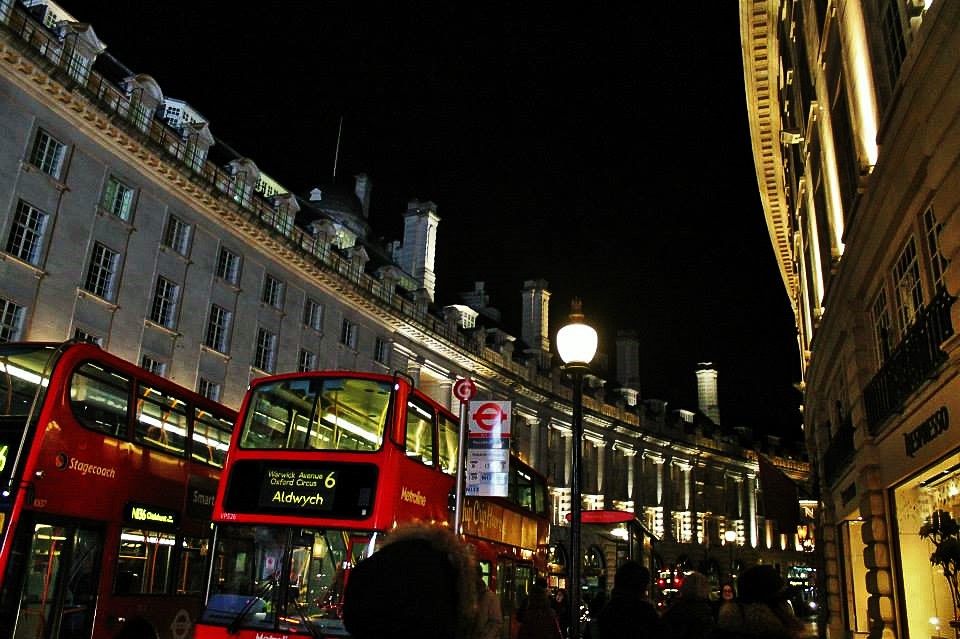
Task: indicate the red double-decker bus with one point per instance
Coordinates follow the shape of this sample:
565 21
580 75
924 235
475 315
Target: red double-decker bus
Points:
321 467
107 479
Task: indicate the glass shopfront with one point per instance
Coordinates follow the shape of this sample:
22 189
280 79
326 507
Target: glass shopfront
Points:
926 593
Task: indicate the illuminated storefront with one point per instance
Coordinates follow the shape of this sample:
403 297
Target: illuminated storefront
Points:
929 605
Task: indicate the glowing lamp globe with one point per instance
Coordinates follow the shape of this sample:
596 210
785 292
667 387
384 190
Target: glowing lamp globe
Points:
576 342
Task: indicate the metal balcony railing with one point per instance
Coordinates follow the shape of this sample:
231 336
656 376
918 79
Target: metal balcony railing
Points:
916 359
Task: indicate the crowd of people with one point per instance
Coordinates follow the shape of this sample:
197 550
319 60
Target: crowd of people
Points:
425 583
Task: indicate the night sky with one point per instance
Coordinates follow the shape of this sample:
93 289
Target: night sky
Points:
603 147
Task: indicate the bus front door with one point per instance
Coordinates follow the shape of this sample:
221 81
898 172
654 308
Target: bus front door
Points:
60 582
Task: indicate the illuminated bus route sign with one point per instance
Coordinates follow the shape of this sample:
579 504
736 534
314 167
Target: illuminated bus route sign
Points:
302 489
145 515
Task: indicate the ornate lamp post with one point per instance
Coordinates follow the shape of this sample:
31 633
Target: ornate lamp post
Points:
577 344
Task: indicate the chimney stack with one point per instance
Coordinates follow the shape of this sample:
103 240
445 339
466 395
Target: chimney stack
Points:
419 248
707 391
535 327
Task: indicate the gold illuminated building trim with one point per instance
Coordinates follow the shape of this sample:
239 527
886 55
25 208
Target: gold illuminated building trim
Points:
759 45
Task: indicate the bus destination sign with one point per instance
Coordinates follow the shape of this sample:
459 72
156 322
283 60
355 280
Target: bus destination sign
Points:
301 488
304 489
152 515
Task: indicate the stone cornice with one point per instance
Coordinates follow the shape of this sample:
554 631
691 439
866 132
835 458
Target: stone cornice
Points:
759 45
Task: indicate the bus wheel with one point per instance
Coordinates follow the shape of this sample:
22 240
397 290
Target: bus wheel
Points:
138 629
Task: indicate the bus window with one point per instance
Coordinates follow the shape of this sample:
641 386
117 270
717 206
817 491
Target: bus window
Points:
317 414
354 413
419 431
62 572
20 377
145 564
449 434
311 561
280 416
161 421
100 399
191 575
211 438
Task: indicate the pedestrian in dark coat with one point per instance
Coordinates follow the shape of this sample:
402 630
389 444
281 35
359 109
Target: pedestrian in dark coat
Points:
539 619
690 616
761 611
628 614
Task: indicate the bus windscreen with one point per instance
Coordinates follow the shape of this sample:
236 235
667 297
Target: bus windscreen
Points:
328 413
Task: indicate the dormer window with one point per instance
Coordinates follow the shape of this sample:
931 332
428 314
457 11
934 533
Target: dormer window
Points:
81 46
78 66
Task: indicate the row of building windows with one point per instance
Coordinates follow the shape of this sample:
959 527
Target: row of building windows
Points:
216 336
915 278
28 235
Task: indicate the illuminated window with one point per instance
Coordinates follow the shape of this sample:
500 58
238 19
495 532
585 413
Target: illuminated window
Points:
11 321
931 232
83 336
265 350
118 199
228 266
209 389
139 114
272 294
883 340
211 434
218 329
313 315
78 66
348 334
306 361
165 298
161 420
26 233
420 431
381 351
48 154
155 366
99 398
908 295
177 235
102 273
448 444
145 564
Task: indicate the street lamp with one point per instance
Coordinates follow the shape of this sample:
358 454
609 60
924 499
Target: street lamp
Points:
577 344
730 536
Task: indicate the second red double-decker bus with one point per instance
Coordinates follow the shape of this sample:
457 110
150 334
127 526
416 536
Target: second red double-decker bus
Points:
321 467
107 480
509 535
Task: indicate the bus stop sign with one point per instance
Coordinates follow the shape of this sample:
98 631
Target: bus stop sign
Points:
464 389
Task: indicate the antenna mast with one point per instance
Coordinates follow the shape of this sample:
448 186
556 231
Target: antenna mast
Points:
336 153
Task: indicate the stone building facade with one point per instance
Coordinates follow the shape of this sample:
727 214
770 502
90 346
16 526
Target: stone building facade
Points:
854 112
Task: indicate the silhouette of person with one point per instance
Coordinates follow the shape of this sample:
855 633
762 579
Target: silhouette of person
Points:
628 614
421 583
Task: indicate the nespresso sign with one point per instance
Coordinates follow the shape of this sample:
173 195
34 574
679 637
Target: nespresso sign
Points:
929 430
